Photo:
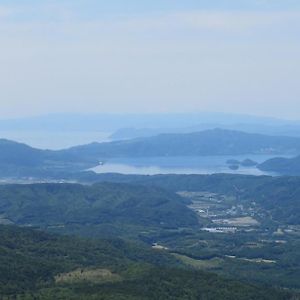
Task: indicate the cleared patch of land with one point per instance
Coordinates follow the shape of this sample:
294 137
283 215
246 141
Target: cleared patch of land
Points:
204 264
242 221
87 275
254 260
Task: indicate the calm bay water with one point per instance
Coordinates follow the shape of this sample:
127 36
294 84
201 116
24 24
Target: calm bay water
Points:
180 165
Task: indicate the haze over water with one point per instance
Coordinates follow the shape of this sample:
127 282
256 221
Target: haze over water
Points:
54 140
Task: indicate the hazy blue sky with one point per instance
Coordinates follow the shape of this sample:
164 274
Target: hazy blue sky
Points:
150 56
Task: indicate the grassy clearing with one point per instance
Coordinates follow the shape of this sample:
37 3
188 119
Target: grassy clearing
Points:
205 264
87 275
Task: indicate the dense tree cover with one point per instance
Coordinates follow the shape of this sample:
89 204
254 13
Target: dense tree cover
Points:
281 197
231 255
168 284
30 260
106 203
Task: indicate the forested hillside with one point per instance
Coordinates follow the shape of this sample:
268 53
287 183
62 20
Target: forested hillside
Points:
18 160
74 205
285 166
280 195
148 209
36 265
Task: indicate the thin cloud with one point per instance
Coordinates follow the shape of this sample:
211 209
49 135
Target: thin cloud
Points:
52 59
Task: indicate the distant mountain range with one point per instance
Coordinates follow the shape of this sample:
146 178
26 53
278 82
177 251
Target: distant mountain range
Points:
158 123
19 160
61 131
209 142
292 130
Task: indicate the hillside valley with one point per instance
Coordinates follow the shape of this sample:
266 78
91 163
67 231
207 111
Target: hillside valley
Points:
240 227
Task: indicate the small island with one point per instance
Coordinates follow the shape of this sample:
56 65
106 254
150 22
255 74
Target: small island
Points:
234 167
234 164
